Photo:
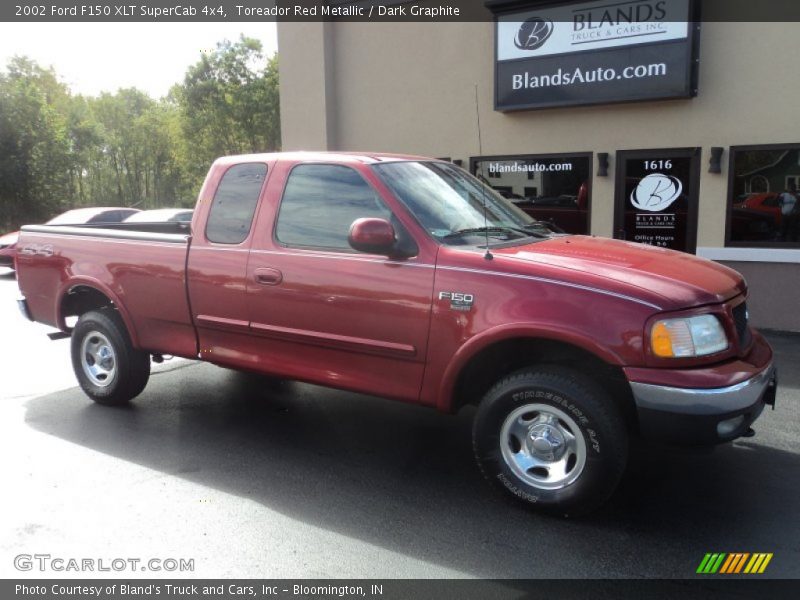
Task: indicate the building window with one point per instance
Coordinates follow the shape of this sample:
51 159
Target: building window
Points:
763 203
555 188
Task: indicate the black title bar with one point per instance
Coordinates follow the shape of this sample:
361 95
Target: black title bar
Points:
393 589
330 10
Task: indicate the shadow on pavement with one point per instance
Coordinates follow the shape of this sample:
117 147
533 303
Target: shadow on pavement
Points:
403 478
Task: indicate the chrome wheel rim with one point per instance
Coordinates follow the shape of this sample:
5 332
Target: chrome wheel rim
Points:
98 360
543 446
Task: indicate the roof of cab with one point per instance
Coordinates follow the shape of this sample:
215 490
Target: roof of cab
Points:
303 156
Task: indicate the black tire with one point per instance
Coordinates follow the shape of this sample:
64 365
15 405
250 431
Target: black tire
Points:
119 379
568 403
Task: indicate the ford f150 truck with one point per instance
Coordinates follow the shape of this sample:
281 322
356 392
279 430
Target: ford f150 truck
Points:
407 278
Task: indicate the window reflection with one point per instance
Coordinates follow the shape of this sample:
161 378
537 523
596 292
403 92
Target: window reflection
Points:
550 189
764 203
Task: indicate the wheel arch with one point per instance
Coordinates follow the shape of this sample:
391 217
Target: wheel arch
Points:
82 294
494 354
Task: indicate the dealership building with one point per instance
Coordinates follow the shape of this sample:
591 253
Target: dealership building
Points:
636 120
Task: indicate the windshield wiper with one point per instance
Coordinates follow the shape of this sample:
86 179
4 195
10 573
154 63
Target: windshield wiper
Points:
501 229
469 230
548 226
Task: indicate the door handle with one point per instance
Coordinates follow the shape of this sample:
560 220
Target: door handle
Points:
267 276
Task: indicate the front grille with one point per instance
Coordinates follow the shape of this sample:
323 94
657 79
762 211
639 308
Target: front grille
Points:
740 318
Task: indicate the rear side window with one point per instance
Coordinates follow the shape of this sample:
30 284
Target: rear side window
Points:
320 203
234 204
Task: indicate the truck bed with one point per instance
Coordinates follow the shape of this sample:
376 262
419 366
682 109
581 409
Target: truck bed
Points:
145 278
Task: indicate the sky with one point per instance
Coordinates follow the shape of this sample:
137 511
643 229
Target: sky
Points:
103 57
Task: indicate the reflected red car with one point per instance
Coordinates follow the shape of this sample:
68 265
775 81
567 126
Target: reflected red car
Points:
764 202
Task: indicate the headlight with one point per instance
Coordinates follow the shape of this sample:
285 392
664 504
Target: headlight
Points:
687 337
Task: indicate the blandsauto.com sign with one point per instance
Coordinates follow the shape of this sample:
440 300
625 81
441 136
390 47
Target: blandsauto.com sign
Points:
595 52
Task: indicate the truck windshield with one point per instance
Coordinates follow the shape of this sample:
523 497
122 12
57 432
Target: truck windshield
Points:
449 203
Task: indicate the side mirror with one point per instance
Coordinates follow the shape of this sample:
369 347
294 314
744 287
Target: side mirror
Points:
375 236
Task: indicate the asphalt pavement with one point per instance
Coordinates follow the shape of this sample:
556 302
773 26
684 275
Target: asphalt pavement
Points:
253 477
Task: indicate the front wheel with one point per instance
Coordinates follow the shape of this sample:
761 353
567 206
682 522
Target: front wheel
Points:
553 438
109 369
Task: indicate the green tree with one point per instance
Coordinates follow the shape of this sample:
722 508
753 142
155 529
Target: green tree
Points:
35 160
59 151
84 138
229 103
129 165
125 151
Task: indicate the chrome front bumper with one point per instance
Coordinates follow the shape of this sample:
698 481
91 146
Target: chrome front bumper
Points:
703 402
703 415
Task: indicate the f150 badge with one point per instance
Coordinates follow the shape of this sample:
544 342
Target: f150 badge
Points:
458 300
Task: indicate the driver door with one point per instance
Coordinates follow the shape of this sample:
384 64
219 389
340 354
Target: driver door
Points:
323 312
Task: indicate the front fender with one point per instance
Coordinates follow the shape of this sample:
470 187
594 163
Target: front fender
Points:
501 333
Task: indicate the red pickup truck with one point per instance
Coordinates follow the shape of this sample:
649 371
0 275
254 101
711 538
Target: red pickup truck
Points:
407 278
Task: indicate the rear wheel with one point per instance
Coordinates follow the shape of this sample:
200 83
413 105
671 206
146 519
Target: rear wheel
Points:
553 438
109 369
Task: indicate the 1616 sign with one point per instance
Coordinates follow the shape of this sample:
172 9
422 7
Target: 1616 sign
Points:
595 52
657 197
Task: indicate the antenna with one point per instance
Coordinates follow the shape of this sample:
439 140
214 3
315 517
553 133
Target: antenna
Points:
488 255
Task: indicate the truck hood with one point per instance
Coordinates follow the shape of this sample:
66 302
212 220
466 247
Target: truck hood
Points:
670 279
